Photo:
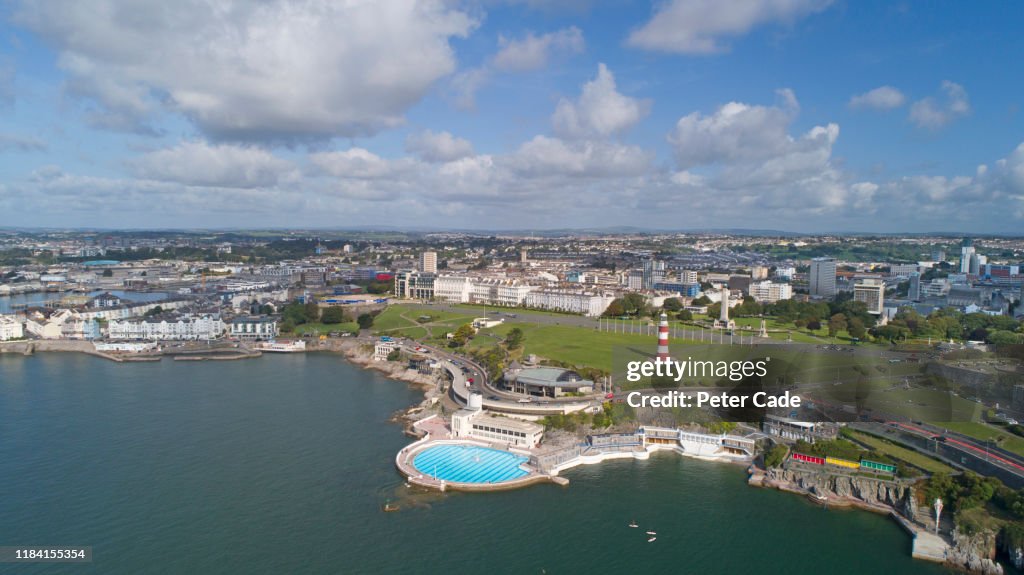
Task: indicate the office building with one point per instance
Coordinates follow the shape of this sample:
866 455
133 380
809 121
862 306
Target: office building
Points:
966 251
822 277
914 292
871 291
770 292
428 262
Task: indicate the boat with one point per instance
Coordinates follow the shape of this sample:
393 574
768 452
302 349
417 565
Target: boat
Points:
652 533
281 347
652 539
633 523
389 507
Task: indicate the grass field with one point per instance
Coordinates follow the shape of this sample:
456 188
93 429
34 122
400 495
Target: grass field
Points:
326 328
985 432
910 456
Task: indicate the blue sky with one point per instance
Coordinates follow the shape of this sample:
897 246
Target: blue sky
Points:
803 115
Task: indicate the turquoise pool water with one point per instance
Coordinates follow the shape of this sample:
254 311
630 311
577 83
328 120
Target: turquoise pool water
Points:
469 464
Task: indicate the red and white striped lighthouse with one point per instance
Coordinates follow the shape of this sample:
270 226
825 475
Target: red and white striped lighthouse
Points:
663 337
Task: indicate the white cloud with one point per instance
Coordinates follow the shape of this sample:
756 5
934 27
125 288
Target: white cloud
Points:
16 143
545 156
272 70
360 164
699 26
735 133
438 147
529 53
600 110
881 98
532 52
200 164
933 113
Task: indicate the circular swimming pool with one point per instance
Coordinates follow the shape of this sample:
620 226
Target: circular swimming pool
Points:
469 464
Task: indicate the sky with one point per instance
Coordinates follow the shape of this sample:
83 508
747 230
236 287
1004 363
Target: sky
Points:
796 115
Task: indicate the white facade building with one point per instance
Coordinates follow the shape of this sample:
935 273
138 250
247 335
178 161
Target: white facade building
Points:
182 328
453 288
903 270
872 292
11 328
770 292
570 301
253 328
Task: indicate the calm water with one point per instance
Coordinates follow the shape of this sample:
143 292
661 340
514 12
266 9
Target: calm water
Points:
281 464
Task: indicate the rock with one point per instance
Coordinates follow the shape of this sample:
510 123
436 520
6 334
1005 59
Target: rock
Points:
975 553
875 492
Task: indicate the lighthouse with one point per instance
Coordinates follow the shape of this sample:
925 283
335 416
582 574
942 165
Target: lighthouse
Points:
663 337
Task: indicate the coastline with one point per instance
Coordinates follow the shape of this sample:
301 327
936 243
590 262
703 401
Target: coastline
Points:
925 546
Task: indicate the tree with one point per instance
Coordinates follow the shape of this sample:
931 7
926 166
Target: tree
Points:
154 311
395 355
463 334
365 321
775 456
814 324
1003 337
333 315
634 303
266 309
615 309
312 312
702 300
514 338
673 304
856 328
836 324
685 315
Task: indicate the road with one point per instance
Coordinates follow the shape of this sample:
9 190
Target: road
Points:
462 369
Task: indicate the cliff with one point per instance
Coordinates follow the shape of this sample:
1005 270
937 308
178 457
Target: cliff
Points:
873 493
974 553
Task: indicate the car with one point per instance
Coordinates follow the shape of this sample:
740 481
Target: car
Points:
525 400
470 380
609 396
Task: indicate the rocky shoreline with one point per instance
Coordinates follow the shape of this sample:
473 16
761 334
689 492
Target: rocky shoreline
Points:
971 553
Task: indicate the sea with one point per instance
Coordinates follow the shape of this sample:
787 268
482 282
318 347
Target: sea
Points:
282 464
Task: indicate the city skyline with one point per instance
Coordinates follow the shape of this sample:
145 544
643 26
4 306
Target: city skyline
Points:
805 116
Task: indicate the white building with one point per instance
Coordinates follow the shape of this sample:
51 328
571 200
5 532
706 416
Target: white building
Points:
785 273
478 424
11 328
688 277
903 270
48 327
452 288
570 301
253 328
181 328
770 292
871 291
382 349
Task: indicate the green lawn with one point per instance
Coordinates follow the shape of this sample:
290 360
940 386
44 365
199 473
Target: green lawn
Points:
325 328
910 456
985 432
